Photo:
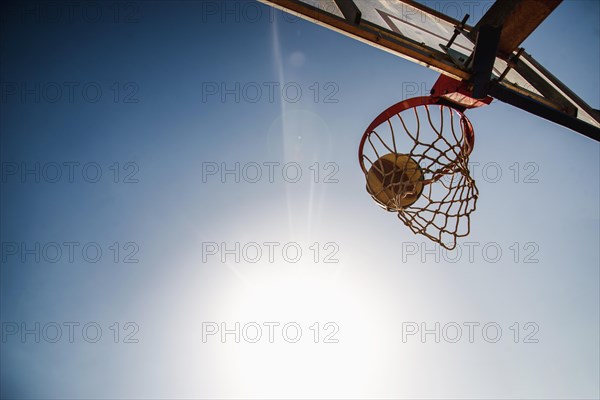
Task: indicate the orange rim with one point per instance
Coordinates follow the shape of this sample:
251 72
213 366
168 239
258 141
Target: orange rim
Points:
468 133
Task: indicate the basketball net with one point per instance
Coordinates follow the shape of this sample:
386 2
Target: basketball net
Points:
415 159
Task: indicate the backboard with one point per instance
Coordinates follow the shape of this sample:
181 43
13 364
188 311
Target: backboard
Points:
486 56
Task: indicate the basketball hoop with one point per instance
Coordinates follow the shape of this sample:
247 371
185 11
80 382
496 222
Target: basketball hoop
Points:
415 159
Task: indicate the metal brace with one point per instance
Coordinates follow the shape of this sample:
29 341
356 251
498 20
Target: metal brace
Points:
510 63
456 57
460 28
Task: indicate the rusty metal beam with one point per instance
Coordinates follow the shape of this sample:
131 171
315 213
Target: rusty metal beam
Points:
518 18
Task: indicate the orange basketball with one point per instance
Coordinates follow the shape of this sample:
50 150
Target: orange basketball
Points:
395 181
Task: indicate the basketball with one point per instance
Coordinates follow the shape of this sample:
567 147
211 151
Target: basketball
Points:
395 181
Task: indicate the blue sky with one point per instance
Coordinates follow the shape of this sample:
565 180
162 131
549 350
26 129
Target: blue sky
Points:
164 129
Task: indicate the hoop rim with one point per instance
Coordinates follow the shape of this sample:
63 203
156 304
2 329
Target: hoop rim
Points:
468 133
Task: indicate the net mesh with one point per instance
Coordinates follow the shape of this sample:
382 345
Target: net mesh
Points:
436 198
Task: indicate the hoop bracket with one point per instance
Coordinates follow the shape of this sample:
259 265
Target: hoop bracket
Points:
457 92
